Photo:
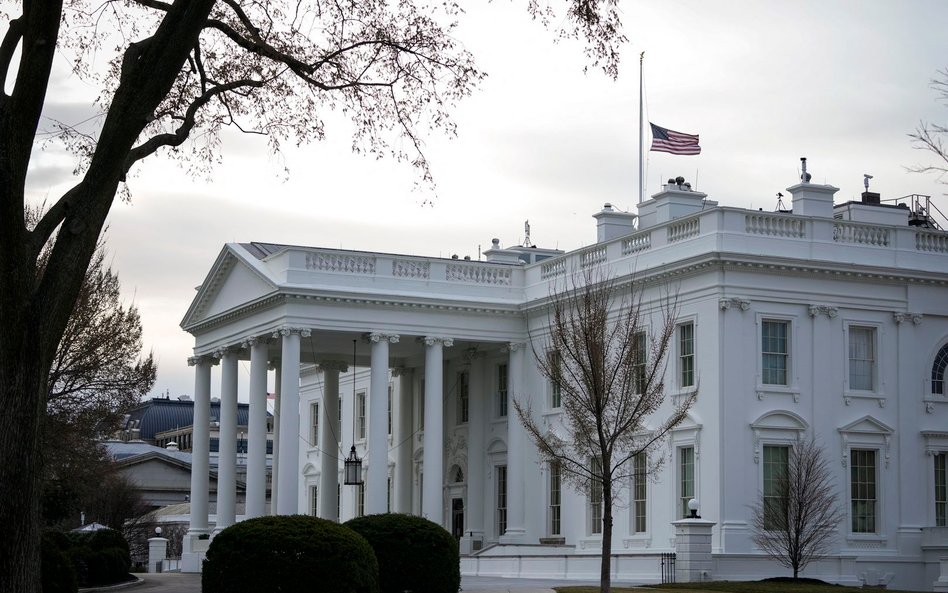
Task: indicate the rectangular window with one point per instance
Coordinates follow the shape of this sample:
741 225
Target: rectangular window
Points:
502 390
555 498
360 511
389 410
501 499
314 501
941 490
421 407
338 498
314 429
862 358
595 497
686 355
639 492
776 462
360 415
556 391
463 402
639 355
863 490
774 354
686 478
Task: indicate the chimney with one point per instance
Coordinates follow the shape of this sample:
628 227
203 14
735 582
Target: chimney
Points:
812 199
497 255
676 200
610 223
871 197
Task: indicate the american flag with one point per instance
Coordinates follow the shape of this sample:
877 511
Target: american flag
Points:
665 140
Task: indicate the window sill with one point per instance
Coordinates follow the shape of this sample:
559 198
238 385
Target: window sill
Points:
866 541
849 396
553 412
764 390
590 542
637 541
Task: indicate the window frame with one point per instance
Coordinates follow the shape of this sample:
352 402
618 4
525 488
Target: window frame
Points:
555 360
875 487
500 499
680 356
555 499
594 499
876 374
940 493
314 424
787 352
639 494
787 447
314 500
360 415
682 499
503 383
939 367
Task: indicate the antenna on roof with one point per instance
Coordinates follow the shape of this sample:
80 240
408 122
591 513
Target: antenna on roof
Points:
526 231
780 205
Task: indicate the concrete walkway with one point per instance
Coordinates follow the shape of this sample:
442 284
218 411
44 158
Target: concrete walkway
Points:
174 582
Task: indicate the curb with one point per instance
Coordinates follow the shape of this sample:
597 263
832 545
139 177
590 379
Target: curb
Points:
120 586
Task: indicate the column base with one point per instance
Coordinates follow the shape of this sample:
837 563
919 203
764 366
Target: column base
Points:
193 549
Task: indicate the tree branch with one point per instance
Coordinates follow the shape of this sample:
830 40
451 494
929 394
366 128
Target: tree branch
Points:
8 47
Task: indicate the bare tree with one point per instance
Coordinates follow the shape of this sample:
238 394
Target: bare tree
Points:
170 75
931 137
607 359
796 516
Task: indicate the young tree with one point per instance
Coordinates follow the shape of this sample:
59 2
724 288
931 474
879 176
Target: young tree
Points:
170 71
931 137
796 516
607 359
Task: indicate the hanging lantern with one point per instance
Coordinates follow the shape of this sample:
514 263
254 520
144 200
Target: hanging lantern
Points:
353 469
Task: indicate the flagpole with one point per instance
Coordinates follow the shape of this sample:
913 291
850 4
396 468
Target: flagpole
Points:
641 128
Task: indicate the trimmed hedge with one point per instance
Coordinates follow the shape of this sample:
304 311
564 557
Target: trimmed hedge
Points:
414 554
56 571
290 554
98 557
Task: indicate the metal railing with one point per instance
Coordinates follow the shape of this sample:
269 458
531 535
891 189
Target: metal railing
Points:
668 567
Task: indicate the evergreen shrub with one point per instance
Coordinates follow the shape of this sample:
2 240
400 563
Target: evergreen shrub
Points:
414 554
56 571
290 554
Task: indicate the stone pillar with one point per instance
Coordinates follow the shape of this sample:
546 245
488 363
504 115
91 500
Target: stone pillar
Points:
257 431
433 462
941 584
376 481
403 440
329 439
200 445
288 501
275 456
516 441
157 552
476 455
227 450
692 550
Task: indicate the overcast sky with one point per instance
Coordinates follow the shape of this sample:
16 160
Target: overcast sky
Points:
763 83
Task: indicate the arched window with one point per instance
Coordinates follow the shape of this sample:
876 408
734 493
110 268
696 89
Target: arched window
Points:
938 370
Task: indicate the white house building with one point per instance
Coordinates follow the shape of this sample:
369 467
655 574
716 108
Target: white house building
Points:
828 321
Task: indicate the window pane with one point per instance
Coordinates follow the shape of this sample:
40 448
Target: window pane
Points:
774 352
595 498
686 354
941 490
938 370
686 478
863 490
555 498
862 358
502 390
639 493
776 461
501 499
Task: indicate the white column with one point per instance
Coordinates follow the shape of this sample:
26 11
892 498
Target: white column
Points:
403 442
288 500
476 453
275 456
329 439
257 431
200 444
516 440
227 451
433 463
376 481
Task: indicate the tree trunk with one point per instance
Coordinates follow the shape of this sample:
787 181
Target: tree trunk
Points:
605 574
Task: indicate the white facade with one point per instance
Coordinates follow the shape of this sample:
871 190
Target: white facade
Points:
793 325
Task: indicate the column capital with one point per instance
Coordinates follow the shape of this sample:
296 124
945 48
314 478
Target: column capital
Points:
376 337
432 340
513 346
232 349
472 353
210 359
399 371
304 332
332 365
252 341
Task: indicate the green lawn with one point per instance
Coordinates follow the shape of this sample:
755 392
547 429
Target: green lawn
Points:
734 587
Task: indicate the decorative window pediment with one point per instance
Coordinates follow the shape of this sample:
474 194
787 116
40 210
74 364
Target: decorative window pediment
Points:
865 432
777 426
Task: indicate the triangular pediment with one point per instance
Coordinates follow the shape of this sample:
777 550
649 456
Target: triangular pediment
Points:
867 425
235 280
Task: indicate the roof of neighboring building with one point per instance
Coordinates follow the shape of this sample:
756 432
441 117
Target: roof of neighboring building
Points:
160 414
120 451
